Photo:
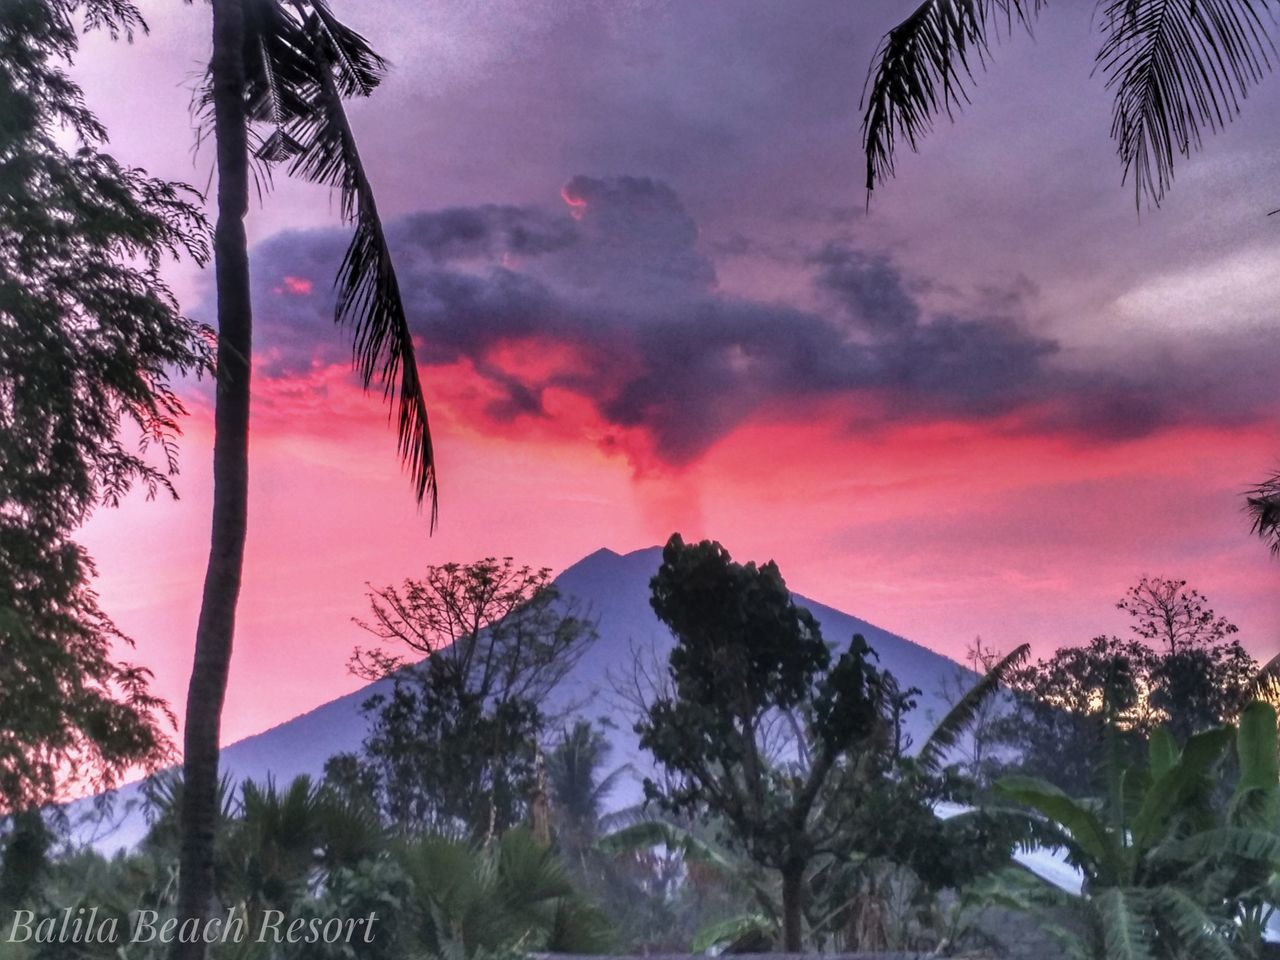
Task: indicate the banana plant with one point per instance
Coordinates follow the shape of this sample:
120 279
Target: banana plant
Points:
1165 875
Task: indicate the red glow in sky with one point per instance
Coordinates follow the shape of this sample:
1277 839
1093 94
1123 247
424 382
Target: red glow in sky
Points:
939 531
294 287
577 205
936 526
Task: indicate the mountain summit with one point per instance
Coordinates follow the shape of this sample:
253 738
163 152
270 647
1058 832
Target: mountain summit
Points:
611 588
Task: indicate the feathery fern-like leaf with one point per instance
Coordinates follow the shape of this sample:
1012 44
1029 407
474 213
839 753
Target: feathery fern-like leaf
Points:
922 67
369 299
1126 933
1177 67
1263 506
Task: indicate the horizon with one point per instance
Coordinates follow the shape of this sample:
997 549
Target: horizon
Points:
986 407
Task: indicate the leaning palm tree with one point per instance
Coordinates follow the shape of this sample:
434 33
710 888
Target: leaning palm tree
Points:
1263 505
278 77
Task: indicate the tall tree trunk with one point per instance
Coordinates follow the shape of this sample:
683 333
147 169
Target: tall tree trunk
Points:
792 902
205 694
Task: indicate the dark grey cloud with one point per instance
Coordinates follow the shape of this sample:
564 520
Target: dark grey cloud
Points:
617 273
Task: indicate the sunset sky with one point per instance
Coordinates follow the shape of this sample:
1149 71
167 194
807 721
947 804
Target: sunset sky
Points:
649 296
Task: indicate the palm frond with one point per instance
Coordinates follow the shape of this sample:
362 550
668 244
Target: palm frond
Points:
369 299
1177 67
300 63
959 718
726 932
1263 506
923 67
1239 843
1265 685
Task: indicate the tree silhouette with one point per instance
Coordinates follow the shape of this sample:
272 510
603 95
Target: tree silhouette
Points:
275 89
454 743
1175 68
748 661
1263 504
89 338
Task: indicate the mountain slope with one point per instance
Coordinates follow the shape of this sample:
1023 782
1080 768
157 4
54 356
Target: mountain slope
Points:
614 589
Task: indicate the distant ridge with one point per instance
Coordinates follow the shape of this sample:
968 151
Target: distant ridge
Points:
614 589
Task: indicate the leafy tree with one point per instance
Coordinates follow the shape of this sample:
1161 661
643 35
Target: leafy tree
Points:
89 338
877 883
24 857
1169 613
455 742
1185 671
749 666
1069 709
276 83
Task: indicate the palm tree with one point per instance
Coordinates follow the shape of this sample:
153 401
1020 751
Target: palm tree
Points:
1263 505
512 896
276 84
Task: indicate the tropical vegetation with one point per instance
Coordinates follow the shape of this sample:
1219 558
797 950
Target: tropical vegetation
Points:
787 808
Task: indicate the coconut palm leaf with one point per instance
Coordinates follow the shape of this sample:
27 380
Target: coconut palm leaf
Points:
369 299
300 64
1263 505
958 719
922 68
1176 67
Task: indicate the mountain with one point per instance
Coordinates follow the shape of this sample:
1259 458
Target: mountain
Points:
614 590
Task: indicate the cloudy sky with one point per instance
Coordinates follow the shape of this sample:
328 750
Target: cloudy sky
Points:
650 296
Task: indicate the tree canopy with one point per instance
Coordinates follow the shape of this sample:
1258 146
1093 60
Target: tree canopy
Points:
455 743
759 717
90 339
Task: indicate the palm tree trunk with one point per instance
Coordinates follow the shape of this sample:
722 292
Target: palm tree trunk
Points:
792 915
214 633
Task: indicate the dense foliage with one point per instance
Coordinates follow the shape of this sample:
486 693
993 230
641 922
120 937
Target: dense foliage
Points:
1184 671
1167 874
454 745
306 853
799 757
902 846
89 339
